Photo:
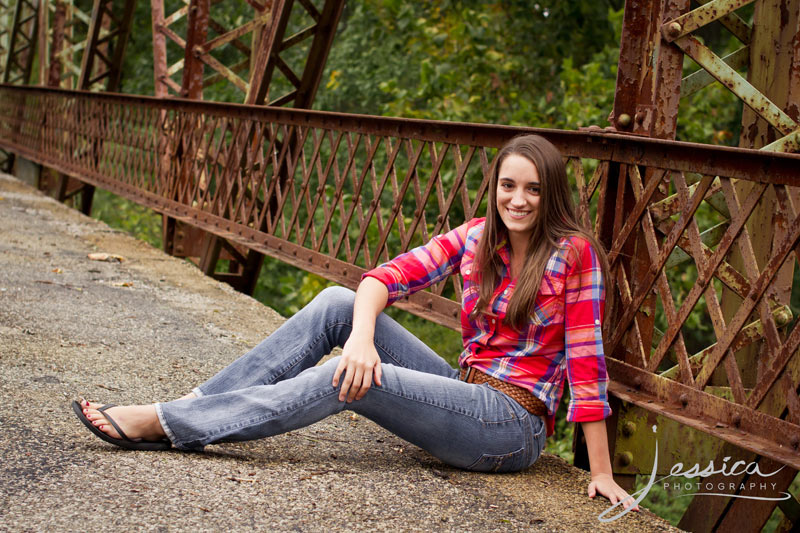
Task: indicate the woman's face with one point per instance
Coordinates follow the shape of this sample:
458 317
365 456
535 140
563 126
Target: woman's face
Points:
518 195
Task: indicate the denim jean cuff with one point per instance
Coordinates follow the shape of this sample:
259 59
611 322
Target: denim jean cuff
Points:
197 392
170 435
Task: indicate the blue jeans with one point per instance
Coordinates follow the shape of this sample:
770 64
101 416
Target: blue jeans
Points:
277 387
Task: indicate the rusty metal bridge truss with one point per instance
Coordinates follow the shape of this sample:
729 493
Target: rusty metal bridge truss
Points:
694 232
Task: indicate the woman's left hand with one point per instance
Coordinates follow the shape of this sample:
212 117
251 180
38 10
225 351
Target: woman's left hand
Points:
605 485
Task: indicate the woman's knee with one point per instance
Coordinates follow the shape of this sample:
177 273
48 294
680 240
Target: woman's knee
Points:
335 300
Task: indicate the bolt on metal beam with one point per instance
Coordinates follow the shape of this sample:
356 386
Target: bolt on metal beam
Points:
699 17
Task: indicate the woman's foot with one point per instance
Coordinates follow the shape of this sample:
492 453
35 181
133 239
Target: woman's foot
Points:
136 421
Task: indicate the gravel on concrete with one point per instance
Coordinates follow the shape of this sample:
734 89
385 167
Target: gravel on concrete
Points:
151 327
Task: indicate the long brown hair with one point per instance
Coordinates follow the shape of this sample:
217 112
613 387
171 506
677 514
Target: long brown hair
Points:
555 219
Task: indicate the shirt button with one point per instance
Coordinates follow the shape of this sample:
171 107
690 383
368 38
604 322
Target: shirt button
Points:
467 271
596 322
505 292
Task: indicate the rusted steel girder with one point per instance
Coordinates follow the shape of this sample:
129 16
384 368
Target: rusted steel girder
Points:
22 42
6 12
697 18
17 61
764 93
268 56
646 102
268 59
337 169
767 96
754 99
101 69
197 48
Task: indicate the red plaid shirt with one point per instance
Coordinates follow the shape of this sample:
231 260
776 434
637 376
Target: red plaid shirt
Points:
563 338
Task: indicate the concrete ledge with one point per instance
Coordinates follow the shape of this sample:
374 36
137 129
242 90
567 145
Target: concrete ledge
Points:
152 327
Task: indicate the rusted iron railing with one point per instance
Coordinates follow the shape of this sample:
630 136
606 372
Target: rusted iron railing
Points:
336 194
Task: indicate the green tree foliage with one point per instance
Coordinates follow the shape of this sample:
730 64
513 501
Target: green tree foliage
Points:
465 61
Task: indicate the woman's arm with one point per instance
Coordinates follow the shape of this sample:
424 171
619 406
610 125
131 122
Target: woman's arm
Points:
600 465
360 360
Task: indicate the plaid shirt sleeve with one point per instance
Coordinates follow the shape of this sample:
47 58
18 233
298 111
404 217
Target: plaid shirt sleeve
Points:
583 337
423 266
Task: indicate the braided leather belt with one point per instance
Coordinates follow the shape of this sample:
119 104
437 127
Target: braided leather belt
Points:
524 397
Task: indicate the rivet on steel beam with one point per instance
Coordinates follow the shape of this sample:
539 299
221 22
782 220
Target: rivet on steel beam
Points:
624 120
673 30
637 382
639 118
628 428
795 442
439 219
737 420
783 316
625 458
684 399
327 264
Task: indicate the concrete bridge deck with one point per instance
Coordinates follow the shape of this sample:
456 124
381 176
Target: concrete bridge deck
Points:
150 328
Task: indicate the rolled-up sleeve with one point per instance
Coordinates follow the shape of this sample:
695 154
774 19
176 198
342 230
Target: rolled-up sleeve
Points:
583 337
423 266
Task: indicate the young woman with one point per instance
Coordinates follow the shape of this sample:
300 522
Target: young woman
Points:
531 317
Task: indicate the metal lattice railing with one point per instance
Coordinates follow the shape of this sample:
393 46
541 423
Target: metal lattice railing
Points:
337 194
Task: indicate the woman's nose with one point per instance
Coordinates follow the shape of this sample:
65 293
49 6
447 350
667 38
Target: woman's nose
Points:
518 198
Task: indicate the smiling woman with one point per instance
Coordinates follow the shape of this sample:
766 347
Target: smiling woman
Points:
532 306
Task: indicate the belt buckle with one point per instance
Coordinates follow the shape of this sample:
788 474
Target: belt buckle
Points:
468 375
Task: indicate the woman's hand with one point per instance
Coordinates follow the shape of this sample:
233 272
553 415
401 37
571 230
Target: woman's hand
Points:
359 363
600 464
605 485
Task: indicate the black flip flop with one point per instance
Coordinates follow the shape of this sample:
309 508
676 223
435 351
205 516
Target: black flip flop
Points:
124 442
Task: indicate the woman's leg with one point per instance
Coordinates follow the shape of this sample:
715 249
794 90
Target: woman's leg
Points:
465 425
297 345
312 333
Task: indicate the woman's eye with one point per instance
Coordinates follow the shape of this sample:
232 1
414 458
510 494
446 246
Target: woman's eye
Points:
534 190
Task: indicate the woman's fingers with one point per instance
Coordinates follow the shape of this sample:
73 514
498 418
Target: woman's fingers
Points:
366 383
378 372
339 369
355 371
346 383
358 379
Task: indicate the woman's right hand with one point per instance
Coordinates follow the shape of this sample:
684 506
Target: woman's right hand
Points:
359 363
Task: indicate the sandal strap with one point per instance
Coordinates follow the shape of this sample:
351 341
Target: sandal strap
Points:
113 423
